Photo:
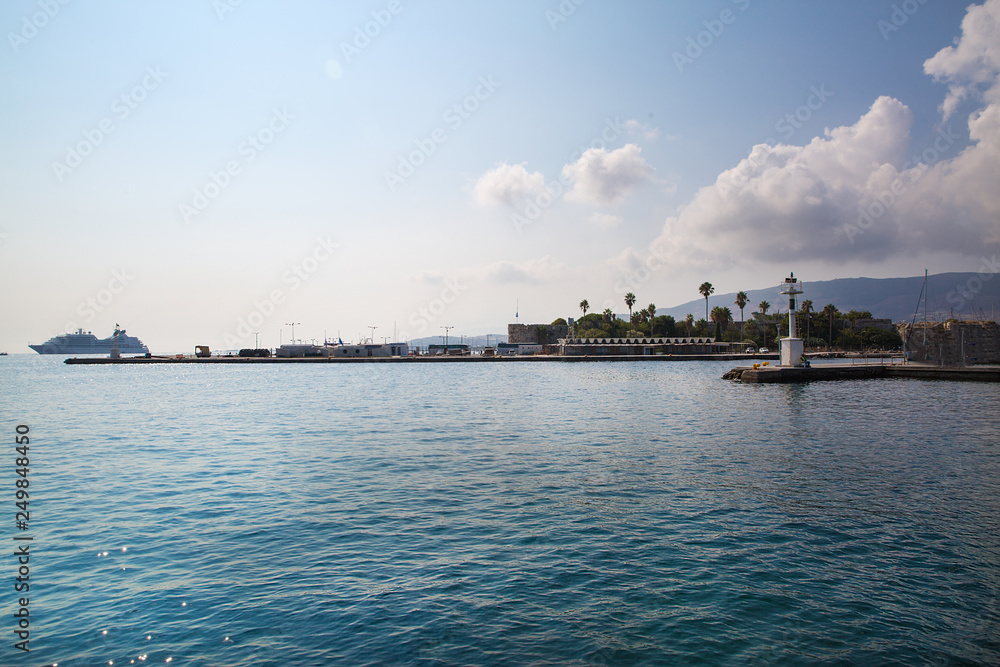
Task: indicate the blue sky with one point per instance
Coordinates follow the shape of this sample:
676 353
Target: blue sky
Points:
199 170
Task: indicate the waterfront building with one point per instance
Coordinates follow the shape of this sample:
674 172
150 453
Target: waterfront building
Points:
299 350
511 349
369 350
643 346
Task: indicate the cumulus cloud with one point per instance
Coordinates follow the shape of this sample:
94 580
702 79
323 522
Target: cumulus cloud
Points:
533 272
863 192
508 184
601 177
852 194
972 64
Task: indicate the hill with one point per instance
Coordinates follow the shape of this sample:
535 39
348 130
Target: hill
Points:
471 341
956 295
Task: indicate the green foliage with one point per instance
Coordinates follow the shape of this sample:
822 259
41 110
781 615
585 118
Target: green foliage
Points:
559 322
592 321
663 325
875 338
592 333
848 340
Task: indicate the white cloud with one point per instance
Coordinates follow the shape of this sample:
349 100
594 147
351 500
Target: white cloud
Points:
858 193
637 129
626 262
606 220
973 63
601 177
508 184
534 271
851 194
426 278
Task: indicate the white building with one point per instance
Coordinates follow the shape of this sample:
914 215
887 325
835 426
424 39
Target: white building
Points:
370 350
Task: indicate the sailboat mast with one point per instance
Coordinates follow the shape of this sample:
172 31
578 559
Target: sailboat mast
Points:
925 307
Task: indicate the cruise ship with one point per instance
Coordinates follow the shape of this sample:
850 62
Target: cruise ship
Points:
84 342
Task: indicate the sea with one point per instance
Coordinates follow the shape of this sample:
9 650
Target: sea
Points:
591 513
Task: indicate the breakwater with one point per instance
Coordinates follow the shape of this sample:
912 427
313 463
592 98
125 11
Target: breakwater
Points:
433 359
793 374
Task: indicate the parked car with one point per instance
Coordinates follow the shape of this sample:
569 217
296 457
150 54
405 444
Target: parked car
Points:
750 350
763 350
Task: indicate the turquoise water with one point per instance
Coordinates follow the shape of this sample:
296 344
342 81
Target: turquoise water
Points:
588 513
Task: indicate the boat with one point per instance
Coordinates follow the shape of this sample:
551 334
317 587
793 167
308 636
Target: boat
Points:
85 342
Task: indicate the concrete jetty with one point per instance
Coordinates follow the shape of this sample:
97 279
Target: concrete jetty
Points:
416 359
790 374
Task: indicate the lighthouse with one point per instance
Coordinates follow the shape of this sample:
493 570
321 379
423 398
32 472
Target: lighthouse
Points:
791 348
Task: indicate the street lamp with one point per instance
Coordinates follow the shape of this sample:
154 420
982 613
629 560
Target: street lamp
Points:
372 339
446 330
292 325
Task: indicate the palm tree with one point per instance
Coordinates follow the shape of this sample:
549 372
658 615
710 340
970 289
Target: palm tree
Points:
763 306
807 309
721 316
630 301
689 320
584 306
830 311
651 313
741 302
706 289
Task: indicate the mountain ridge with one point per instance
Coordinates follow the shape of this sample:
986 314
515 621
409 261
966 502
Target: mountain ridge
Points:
957 295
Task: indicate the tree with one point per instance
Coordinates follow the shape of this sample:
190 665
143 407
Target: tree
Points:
807 309
651 309
741 302
830 311
855 315
706 289
721 316
630 301
584 306
664 324
763 306
875 338
689 320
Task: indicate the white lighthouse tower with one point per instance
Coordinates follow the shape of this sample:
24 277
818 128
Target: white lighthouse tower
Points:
791 348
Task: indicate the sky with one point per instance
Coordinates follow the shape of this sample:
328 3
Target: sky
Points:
200 170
